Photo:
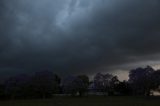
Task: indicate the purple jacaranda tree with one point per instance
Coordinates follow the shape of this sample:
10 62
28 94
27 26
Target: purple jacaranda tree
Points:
141 80
99 82
73 85
105 82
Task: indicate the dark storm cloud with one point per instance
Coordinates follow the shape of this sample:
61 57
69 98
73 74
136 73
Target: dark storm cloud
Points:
78 36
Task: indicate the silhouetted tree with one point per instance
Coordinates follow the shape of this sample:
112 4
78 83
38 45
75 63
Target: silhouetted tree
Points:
2 91
112 85
73 85
15 87
105 82
123 88
85 80
44 84
156 79
99 82
141 80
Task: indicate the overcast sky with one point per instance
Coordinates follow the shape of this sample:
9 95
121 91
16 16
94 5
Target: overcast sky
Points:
79 36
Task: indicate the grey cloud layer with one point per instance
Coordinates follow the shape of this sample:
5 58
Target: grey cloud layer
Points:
77 36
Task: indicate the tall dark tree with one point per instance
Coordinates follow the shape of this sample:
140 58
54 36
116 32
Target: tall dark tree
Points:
73 85
16 87
2 91
156 79
102 81
123 88
112 85
105 82
85 80
44 84
141 80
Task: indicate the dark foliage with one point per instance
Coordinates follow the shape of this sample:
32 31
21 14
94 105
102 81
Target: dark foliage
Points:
45 84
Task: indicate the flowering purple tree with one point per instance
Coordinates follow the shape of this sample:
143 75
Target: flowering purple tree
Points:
99 82
105 82
141 80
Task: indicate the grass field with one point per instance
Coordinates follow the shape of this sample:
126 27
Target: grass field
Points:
86 101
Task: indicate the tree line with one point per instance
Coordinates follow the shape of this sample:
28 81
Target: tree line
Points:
45 84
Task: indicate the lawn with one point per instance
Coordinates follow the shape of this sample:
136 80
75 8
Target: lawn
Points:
86 101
